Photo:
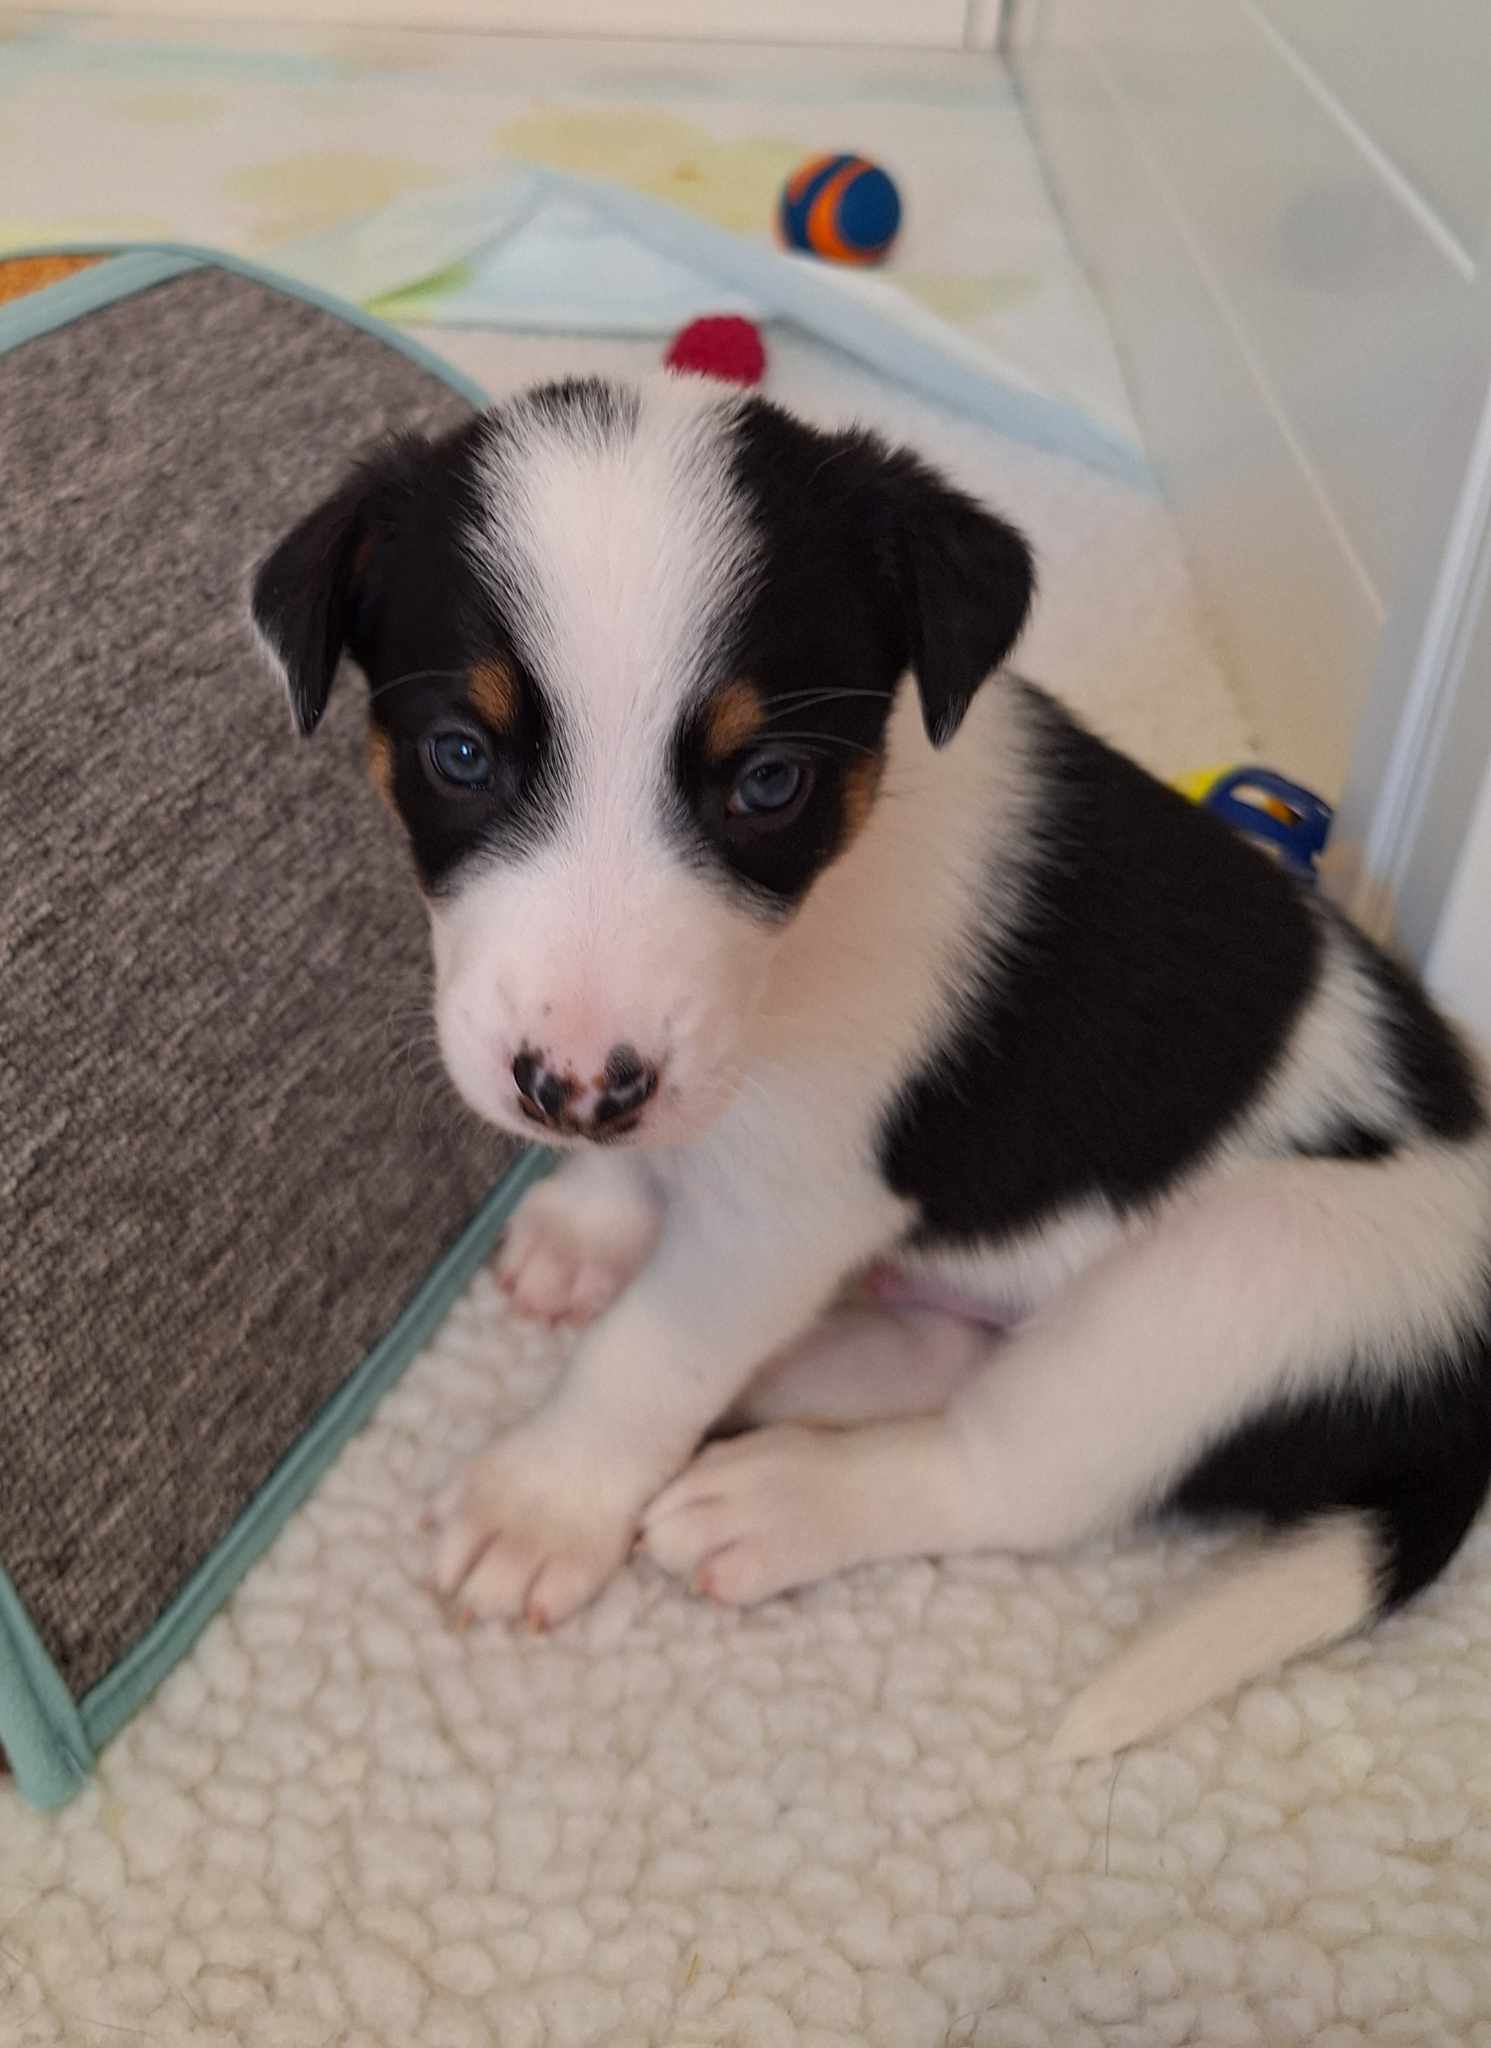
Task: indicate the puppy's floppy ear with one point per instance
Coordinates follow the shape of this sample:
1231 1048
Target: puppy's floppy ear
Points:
966 580
310 596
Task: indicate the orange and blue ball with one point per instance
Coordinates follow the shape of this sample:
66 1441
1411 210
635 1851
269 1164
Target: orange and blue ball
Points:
843 208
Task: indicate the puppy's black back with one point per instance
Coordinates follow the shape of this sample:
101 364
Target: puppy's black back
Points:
1151 986
1152 990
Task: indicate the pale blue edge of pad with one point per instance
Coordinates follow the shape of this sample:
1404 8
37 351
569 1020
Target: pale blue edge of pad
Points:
115 1698
464 220
51 1740
794 293
119 276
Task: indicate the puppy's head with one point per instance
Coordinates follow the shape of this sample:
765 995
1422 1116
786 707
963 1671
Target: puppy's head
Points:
631 654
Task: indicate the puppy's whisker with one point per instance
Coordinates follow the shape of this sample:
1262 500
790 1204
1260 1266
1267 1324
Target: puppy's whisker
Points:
823 742
409 1053
416 1063
421 1062
416 1092
805 700
412 1017
419 675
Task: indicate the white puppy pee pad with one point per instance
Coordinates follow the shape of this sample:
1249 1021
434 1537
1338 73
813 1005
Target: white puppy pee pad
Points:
539 250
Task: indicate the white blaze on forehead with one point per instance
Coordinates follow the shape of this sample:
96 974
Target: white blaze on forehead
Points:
620 544
612 531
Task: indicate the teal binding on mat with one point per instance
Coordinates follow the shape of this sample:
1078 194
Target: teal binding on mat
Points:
58 305
52 1744
115 1698
50 1741
41 1730
122 272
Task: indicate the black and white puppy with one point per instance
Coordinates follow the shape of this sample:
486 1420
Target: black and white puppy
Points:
1014 1146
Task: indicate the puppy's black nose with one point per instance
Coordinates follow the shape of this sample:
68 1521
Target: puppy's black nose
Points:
605 1107
629 1082
542 1094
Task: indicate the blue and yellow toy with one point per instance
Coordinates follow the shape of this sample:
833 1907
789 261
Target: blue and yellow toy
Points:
1287 819
843 208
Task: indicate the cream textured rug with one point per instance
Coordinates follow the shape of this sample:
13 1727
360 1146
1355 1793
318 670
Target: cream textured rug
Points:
829 1821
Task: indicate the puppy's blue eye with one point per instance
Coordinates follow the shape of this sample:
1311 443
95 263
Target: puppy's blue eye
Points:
459 758
768 785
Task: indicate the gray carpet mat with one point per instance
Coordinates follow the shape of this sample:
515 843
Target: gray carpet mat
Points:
226 1160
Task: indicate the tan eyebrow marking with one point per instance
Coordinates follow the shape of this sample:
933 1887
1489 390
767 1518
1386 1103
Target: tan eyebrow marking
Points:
380 762
493 689
861 787
732 718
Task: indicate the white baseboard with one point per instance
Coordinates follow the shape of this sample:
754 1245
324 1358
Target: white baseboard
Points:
886 24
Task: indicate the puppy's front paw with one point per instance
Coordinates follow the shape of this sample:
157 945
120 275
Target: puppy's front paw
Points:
759 1513
531 1532
570 1250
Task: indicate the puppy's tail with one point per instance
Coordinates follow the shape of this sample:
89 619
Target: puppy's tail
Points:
1298 1593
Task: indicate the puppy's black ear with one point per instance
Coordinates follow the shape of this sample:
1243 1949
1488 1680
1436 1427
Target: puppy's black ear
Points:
310 596
966 580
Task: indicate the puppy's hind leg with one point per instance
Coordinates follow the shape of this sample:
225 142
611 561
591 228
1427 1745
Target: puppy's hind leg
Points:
861 1363
1236 1301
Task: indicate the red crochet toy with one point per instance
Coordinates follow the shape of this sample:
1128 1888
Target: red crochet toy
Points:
720 345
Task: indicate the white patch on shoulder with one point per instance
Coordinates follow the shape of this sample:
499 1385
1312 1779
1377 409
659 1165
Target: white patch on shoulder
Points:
1335 1068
